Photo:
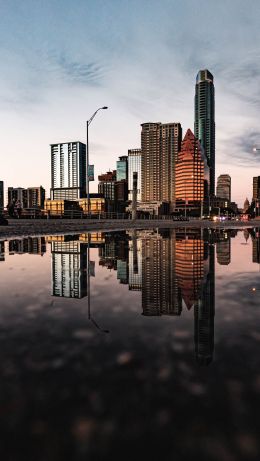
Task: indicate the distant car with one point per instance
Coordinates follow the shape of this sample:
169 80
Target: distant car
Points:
3 221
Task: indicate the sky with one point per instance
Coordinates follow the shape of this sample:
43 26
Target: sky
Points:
62 59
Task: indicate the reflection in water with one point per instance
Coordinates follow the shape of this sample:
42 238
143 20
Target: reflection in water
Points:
70 391
2 251
69 267
31 245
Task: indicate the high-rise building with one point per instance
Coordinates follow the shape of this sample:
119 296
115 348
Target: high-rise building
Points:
18 194
121 168
204 126
134 166
35 197
1 196
224 187
107 187
256 188
160 144
192 174
68 171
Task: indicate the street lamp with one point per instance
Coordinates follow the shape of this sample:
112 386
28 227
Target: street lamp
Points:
88 122
256 149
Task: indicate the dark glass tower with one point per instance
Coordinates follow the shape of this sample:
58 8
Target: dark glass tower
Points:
204 125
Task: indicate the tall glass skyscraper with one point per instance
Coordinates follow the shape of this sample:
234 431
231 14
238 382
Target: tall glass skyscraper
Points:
134 166
68 171
121 168
1 196
204 125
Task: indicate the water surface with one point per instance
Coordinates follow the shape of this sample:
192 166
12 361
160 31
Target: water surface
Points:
131 344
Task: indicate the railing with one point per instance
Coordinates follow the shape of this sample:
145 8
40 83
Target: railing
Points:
77 214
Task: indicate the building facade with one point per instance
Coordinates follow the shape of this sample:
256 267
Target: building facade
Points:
35 197
256 188
18 194
224 187
204 126
1 196
192 175
134 166
68 171
122 168
160 144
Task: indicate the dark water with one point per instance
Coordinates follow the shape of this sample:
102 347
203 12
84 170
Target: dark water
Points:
131 345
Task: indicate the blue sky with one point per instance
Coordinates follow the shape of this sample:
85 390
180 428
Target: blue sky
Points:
62 59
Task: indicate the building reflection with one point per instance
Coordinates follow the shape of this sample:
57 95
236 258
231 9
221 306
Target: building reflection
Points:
2 250
173 270
255 235
69 266
223 249
30 245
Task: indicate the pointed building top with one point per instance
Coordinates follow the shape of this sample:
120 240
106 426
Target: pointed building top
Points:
188 135
204 75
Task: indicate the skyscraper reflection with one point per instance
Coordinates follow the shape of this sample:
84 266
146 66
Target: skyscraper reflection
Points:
2 251
31 245
69 266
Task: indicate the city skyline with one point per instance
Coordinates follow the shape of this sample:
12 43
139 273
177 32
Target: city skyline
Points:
52 82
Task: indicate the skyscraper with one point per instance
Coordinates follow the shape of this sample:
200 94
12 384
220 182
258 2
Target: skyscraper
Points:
224 187
192 174
121 168
68 171
204 126
160 144
134 165
1 196
256 188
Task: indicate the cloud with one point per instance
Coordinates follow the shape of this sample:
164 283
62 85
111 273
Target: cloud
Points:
76 71
241 147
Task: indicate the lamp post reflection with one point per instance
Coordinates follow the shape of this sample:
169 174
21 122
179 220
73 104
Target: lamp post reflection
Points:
90 317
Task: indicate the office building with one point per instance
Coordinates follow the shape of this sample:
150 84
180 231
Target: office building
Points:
106 185
134 166
1 196
192 175
75 207
256 188
160 144
204 126
122 168
224 187
68 171
35 197
18 194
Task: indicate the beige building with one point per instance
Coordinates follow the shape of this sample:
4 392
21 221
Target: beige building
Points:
160 144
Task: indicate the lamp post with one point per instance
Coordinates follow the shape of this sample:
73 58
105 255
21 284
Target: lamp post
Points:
257 149
88 122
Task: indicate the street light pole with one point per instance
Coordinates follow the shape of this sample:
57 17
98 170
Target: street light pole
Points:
88 122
